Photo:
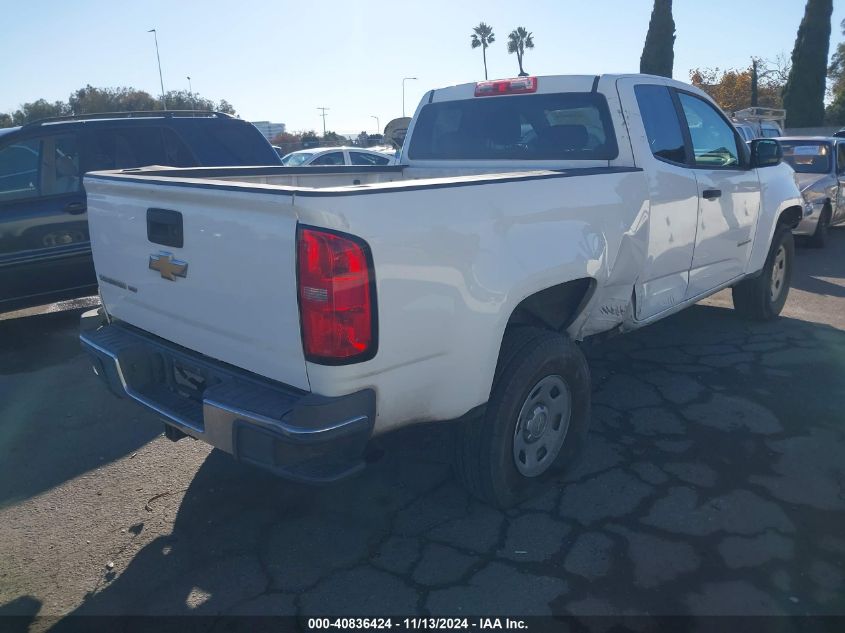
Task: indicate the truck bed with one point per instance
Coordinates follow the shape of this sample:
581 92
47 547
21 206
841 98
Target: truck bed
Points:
346 180
446 251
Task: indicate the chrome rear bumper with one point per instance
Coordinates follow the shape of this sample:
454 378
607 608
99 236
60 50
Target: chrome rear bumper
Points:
295 434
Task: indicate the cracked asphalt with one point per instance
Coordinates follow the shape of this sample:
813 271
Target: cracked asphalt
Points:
713 482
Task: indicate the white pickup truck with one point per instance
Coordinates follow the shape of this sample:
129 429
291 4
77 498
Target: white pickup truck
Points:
287 316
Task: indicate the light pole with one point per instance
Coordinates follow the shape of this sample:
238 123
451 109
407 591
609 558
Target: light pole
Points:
191 94
323 114
404 79
160 78
378 125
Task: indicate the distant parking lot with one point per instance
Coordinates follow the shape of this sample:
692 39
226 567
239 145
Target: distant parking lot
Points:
713 482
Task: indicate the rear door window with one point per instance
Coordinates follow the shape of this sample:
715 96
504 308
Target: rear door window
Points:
176 153
124 148
660 119
60 167
560 126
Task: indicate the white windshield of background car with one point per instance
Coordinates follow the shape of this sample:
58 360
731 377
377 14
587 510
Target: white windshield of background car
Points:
807 158
294 160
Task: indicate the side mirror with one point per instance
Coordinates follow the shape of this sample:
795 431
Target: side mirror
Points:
765 152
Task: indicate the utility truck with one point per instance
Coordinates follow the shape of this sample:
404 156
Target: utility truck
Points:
287 316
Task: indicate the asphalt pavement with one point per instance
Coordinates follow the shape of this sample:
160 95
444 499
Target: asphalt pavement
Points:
713 482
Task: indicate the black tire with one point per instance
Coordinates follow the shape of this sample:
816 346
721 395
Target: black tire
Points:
753 298
484 452
819 237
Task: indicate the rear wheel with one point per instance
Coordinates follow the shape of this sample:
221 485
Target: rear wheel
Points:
763 297
534 423
819 237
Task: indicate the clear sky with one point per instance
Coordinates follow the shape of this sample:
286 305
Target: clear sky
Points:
281 59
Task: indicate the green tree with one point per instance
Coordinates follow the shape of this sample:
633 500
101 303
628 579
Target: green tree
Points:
518 40
658 52
309 139
733 89
803 95
482 36
91 100
333 138
835 113
226 107
184 100
289 142
40 109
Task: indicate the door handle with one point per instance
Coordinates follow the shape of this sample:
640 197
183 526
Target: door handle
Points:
75 208
711 194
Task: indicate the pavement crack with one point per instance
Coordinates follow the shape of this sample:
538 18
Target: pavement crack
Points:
160 495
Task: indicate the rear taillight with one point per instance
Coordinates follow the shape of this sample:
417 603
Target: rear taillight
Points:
520 85
336 297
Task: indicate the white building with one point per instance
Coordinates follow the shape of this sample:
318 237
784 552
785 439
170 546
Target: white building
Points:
268 129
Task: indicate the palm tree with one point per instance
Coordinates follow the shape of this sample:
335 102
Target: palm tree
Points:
482 36
518 40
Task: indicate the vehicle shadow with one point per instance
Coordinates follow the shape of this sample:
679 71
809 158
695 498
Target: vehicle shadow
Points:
56 419
36 341
814 266
701 406
244 542
17 616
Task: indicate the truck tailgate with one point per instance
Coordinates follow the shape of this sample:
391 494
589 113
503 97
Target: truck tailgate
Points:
237 299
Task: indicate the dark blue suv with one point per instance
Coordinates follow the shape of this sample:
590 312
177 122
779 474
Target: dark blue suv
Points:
45 253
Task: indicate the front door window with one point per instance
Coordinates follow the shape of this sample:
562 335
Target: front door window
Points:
713 138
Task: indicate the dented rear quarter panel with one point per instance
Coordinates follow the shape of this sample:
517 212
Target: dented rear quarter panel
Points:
452 263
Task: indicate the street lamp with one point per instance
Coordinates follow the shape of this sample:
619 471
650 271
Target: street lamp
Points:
378 125
160 78
404 79
191 94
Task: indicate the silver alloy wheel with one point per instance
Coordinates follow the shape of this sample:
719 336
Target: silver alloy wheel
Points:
542 425
778 273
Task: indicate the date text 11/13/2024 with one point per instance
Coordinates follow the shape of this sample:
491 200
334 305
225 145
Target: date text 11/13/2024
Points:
315 624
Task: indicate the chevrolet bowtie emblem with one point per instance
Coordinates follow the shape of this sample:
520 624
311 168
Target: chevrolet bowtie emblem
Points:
168 267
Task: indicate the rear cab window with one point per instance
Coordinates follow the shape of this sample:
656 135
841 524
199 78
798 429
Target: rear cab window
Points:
558 126
662 126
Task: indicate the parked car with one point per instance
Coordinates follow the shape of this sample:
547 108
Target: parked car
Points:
333 156
45 252
819 164
746 131
297 315
763 122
